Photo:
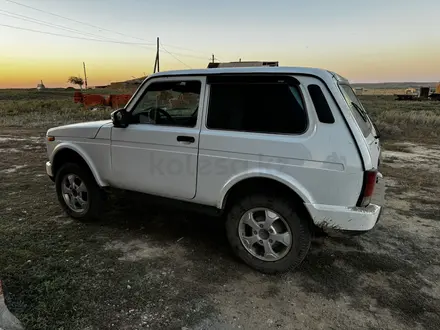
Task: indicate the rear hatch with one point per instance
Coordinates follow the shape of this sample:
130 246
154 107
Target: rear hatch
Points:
369 130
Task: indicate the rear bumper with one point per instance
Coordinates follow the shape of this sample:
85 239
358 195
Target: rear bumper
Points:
344 218
350 219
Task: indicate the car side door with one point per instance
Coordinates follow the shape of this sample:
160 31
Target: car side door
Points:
158 152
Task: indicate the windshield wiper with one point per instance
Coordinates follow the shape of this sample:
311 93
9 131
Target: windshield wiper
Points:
377 136
361 112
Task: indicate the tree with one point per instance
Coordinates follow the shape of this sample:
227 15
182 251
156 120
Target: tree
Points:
76 81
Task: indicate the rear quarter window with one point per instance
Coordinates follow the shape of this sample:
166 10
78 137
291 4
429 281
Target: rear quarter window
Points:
357 109
321 105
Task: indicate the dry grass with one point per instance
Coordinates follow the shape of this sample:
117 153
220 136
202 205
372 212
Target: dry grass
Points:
406 179
404 120
384 91
29 108
411 118
52 93
45 113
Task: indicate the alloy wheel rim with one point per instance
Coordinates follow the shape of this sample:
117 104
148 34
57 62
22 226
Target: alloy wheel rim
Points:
75 193
265 234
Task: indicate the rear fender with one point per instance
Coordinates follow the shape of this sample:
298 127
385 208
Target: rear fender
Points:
280 177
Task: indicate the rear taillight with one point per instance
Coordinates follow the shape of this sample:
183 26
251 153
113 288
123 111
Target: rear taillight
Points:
368 188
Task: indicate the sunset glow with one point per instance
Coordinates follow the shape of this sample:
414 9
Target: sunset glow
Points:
369 41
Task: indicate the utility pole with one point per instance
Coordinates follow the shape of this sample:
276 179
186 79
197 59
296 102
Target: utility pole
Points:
158 54
85 74
156 62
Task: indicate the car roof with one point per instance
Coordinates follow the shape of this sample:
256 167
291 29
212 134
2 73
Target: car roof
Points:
321 73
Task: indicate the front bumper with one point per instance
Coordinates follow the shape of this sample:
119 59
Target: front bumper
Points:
355 219
49 169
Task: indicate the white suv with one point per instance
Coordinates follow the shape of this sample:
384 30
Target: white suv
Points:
279 151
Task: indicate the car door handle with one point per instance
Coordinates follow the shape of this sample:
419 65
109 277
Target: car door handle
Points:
188 139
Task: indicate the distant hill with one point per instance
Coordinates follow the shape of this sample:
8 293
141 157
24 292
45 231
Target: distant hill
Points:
395 85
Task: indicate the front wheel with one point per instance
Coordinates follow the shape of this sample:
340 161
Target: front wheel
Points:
78 192
267 233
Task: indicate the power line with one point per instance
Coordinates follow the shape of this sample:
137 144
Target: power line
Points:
73 37
41 22
189 50
174 55
183 48
162 47
74 20
112 31
189 55
205 58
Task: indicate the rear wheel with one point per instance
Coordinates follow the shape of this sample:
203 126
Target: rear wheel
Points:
267 233
78 192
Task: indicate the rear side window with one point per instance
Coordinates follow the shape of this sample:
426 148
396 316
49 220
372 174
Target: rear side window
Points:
356 109
321 105
257 107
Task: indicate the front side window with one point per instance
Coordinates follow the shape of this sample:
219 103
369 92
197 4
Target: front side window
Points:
257 107
169 103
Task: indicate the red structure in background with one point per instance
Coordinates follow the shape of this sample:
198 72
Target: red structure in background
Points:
90 100
118 101
93 100
78 97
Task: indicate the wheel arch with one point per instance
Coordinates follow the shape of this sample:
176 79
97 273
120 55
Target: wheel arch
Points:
251 179
265 183
64 153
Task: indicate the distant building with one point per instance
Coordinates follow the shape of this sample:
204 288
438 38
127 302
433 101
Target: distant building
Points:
242 64
41 86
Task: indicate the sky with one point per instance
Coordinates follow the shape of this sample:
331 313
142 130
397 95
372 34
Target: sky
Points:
362 40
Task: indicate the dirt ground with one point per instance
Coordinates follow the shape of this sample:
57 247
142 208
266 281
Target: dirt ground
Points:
143 267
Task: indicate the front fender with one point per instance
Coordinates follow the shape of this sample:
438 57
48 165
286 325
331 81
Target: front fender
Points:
80 151
275 175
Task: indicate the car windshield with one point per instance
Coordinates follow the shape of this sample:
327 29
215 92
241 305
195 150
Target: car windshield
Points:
357 109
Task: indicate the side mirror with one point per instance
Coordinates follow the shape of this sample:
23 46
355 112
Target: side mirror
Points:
120 118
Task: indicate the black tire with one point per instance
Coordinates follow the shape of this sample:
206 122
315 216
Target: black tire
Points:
95 196
299 227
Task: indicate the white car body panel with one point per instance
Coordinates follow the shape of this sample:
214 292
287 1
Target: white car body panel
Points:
312 164
367 146
150 160
349 218
324 165
95 152
86 130
158 163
